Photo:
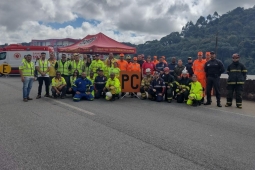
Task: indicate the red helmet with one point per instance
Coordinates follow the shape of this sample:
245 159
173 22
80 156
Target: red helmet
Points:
166 69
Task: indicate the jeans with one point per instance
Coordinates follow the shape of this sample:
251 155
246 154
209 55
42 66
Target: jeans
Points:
46 82
27 85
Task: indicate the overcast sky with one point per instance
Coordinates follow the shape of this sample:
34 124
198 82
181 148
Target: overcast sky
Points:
134 21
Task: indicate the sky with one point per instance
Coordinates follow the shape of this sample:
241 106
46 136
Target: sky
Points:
135 21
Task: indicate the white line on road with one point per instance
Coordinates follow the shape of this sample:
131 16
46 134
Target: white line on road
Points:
240 114
73 107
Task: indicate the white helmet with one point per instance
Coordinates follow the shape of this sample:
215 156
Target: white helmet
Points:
148 70
108 95
184 71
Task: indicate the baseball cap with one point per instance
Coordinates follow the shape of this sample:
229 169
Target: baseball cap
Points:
128 57
122 55
212 52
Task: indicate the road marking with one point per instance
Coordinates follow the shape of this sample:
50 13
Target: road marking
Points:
240 114
75 108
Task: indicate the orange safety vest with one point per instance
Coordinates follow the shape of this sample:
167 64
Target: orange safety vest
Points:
122 65
198 68
135 67
155 62
129 66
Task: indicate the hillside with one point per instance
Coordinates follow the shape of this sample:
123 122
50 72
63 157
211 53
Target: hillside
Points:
236 34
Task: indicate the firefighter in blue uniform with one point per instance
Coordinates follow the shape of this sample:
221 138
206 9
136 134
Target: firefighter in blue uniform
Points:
169 83
100 82
83 89
237 76
183 87
213 69
157 88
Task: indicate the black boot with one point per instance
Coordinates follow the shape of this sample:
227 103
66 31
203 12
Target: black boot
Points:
208 102
218 104
195 103
113 97
202 101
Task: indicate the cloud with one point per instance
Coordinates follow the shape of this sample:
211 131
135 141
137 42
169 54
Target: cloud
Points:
24 20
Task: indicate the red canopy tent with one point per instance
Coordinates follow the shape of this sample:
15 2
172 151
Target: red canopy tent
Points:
98 43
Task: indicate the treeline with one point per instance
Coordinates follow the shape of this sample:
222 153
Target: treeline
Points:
236 34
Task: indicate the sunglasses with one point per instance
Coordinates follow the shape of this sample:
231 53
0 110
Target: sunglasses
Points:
189 59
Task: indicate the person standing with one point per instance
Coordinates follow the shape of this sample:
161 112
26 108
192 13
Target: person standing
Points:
43 67
236 77
199 71
52 71
26 70
129 63
207 56
96 64
145 84
148 64
77 64
213 69
58 86
110 60
189 66
178 70
172 65
140 60
64 67
155 60
122 64
160 66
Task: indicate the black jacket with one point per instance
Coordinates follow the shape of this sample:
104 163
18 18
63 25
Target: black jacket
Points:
236 73
214 68
189 68
168 79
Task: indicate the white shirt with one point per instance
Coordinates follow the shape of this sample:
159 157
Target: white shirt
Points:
38 64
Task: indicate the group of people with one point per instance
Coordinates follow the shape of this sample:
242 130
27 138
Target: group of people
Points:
90 78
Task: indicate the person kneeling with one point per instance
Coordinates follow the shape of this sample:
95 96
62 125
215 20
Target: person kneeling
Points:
58 86
196 92
183 87
83 88
112 87
157 88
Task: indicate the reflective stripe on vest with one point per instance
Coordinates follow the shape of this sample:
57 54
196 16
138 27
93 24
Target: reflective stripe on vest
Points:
63 68
28 69
43 66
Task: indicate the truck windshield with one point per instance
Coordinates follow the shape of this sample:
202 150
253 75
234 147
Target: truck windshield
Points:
2 55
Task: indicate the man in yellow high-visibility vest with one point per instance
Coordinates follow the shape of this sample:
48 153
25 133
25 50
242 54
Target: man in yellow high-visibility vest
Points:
26 70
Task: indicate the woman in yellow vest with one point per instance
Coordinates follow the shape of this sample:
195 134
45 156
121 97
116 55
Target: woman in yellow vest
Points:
86 67
73 78
115 69
107 69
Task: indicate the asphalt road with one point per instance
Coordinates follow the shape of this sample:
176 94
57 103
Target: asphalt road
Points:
125 134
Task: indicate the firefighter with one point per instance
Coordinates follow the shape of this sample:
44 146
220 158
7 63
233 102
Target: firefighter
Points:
196 92
213 69
99 84
112 87
157 88
172 65
183 87
83 89
189 66
236 78
169 83
43 67
199 71
145 84
178 70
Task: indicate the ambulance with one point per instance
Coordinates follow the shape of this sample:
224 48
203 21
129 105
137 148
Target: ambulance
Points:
14 53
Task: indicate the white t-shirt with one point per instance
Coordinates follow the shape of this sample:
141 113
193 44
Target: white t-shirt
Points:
38 64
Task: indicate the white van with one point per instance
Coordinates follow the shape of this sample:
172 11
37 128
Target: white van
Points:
14 53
